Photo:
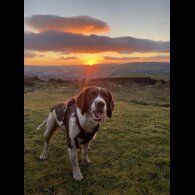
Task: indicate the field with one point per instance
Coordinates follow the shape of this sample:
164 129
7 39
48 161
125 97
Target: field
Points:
130 154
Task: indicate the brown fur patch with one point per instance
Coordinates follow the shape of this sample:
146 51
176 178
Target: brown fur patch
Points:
86 97
60 110
71 108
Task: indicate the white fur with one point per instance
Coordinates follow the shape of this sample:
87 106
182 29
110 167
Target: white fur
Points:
73 129
50 128
84 155
60 123
75 165
73 132
86 121
98 99
43 155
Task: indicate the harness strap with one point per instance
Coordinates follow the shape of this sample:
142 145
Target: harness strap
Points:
84 135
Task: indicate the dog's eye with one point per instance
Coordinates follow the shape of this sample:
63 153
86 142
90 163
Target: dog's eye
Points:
104 95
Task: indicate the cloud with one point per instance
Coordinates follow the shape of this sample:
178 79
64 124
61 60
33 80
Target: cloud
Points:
158 57
77 24
120 58
69 58
41 55
29 54
137 58
76 43
32 54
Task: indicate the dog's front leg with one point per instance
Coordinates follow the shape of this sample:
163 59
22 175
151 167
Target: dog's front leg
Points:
84 155
75 165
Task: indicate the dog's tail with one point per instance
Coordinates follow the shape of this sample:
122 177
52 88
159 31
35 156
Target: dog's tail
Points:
42 124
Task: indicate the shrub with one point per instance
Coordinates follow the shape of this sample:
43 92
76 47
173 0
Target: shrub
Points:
30 81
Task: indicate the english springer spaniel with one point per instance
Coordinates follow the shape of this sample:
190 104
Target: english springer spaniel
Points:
79 117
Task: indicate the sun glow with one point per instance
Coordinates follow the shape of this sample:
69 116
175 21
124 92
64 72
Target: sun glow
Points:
48 58
91 60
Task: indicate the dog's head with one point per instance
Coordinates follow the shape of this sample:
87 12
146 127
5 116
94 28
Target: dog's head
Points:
95 101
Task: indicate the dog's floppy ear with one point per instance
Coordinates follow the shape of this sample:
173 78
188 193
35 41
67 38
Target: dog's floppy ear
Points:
81 101
110 106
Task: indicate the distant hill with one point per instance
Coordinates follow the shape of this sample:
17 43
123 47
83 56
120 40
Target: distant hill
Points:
99 71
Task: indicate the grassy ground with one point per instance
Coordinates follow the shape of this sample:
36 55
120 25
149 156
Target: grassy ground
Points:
130 154
165 77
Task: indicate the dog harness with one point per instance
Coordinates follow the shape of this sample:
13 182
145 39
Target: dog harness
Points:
83 135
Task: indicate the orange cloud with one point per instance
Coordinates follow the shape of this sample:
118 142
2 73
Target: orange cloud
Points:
77 24
54 58
120 58
68 58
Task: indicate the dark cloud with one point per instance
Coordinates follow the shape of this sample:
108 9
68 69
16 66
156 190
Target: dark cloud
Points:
77 24
75 43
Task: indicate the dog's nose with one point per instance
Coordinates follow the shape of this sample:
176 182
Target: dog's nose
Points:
100 104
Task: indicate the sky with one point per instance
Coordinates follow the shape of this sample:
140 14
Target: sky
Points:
74 32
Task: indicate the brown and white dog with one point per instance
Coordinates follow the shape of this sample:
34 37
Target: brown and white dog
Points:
79 117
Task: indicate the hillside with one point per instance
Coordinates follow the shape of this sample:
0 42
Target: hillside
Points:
130 153
100 71
33 83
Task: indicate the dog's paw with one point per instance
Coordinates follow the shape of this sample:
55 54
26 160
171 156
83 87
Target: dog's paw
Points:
42 157
78 176
86 163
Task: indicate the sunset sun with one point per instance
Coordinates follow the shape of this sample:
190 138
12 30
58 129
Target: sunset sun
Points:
91 63
91 60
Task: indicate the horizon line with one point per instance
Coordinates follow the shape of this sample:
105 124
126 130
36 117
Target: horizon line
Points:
96 64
